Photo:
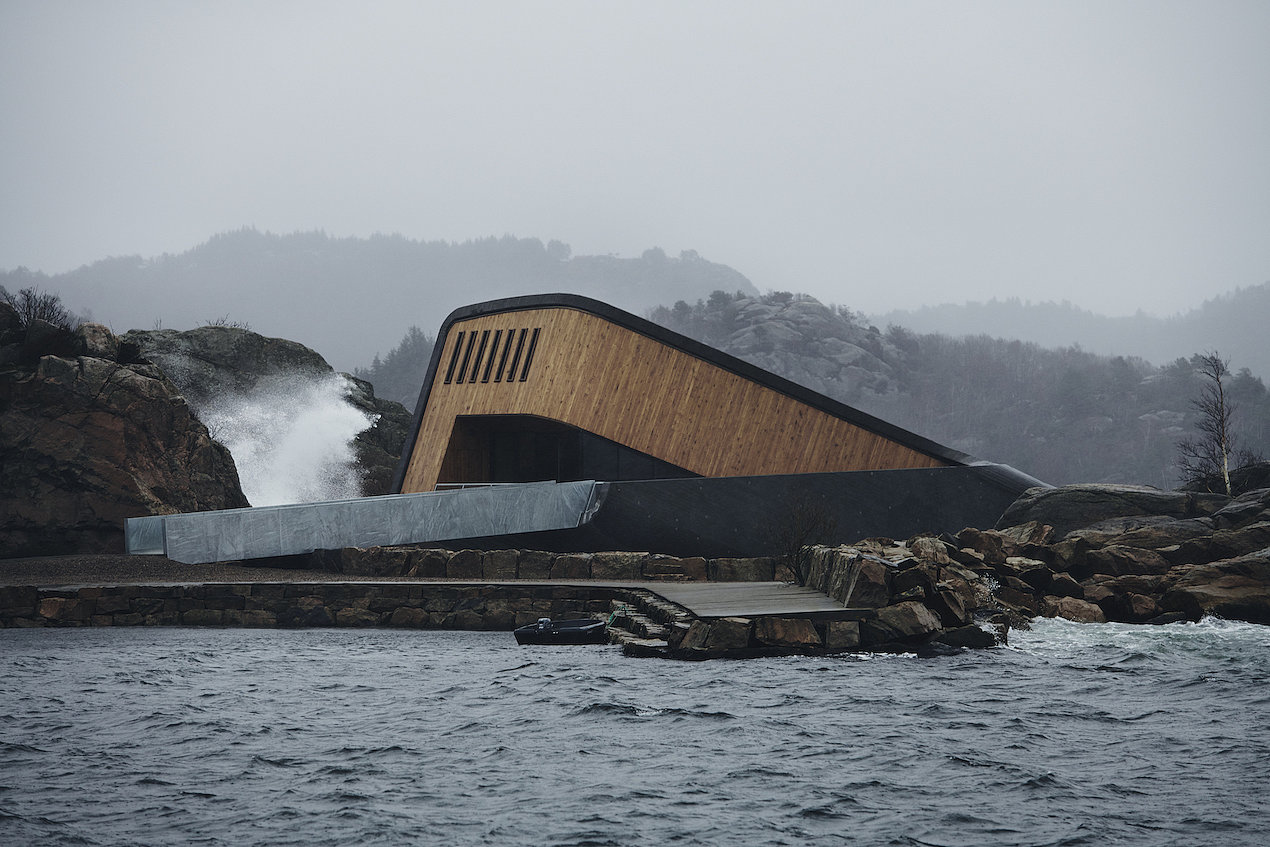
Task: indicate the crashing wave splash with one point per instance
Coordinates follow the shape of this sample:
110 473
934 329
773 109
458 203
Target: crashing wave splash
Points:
292 439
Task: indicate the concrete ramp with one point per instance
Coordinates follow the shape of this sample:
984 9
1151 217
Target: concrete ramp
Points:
436 516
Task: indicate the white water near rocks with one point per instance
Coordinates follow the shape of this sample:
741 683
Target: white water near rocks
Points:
291 438
1077 734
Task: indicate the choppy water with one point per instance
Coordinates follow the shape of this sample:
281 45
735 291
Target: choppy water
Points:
1077 734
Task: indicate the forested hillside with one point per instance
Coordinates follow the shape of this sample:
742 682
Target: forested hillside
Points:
351 298
1062 415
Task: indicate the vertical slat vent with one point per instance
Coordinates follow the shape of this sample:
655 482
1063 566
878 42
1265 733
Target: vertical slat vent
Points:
480 353
529 354
467 356
507 356
502 361
493 354
454 358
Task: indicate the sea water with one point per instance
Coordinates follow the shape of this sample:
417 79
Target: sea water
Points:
1075 734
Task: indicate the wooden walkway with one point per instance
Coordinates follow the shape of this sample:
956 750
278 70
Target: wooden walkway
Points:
752 600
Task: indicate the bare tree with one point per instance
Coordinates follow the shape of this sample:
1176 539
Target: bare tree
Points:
1207 457
32 304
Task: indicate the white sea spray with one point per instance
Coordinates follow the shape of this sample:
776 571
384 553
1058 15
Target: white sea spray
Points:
291 438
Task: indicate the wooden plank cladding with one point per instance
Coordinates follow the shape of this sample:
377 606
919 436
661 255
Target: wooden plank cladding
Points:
585 364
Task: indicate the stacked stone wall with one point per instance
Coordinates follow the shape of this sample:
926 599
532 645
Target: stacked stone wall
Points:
300 604
536 564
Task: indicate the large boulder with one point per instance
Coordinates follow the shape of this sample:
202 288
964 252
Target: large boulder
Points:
1237 588
212 363
1073 507
88 442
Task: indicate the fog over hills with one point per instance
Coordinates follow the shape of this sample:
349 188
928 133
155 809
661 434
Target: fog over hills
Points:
351 298
1233 323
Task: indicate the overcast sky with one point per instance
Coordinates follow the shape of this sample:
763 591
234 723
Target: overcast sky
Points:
874 154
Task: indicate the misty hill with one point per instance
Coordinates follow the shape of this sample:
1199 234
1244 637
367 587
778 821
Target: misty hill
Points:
352 298
1063 415
1234 322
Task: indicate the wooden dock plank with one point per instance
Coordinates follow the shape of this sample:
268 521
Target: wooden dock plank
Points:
752 599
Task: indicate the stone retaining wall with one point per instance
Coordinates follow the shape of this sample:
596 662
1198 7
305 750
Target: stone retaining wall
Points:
266 604
536 564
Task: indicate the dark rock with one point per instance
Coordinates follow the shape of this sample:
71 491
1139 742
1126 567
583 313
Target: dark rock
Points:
918 577
1245 508
1038 577
409 617
18 600
97 342
1168 617
45 339
1062 585
694 568
618 566
1020 601
1027 534
1224 544
1118 559
428 564
930 550
534 564
203 617
500 564
467 564
989 545
729 634
356 617
1073 507
760 569
10 323
851 576
1166 533
793 633
908 621
841 636
950 606
1236 589
1074 610
571 566
969 636
696 636
1015 583
88 443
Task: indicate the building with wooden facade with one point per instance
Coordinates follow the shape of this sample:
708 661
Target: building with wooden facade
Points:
560 423
562 388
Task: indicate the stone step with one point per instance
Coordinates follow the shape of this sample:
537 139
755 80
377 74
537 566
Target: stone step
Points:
627 617
642 648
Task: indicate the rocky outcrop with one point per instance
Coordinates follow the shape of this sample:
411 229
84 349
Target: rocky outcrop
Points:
91 434
213 362
1151 556
1072 507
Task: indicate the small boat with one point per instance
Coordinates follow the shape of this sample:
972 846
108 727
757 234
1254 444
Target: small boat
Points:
547 631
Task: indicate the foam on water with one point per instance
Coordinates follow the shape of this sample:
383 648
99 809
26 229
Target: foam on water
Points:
292 439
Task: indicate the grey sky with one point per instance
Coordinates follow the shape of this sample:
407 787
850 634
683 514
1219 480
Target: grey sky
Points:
879 155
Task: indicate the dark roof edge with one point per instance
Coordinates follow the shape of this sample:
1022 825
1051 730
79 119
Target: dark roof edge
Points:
681 342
